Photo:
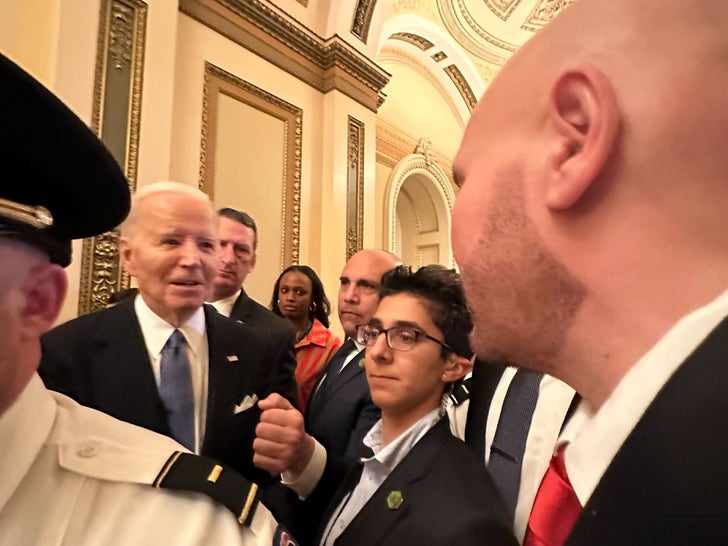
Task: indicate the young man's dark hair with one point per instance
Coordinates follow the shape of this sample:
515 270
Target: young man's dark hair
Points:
440 289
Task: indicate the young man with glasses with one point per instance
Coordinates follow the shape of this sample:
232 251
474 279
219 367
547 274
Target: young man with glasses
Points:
422 485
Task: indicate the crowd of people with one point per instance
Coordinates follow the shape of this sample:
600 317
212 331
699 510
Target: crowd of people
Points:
585 334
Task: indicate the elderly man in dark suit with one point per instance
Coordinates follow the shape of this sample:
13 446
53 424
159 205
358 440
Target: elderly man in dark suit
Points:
238 249
165 361
590 229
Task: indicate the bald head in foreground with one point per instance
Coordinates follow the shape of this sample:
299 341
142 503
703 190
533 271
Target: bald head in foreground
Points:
590 232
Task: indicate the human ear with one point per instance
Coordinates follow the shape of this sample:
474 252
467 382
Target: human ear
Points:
126 256
584 118
44 290
456 368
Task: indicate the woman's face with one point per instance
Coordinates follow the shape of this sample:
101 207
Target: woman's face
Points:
294 295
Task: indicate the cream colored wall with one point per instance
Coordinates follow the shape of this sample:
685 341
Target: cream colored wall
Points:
417 107
57 40
324 148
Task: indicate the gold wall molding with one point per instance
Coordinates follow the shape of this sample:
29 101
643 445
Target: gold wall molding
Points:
363 19
393 145
116 116
324 64
462 85
355 188
415 39
218 81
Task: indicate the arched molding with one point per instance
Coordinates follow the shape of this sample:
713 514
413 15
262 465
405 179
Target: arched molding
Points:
438 186
443 58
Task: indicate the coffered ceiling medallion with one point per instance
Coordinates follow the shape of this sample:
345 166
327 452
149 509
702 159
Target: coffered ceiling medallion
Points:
494 29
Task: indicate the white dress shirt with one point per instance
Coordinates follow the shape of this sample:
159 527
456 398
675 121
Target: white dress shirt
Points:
225 305
595 438
156 332
75 476
554 399
376 469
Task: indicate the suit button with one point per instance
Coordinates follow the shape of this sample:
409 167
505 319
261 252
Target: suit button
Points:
87 452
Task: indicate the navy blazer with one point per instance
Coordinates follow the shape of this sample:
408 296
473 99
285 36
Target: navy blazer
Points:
668 483
282 334
448 499
340 411
101 361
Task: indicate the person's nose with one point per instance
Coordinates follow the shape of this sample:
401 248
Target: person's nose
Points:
190 256
227 254
380 350
351 294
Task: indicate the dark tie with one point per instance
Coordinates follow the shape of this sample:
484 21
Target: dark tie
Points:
332 369
555 509
509 442
175 389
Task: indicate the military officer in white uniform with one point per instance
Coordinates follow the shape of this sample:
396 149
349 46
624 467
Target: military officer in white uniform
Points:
70 475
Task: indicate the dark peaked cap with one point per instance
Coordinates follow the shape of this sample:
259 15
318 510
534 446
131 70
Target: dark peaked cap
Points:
59 182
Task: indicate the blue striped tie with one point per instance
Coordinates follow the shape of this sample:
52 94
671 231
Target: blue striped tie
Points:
175 389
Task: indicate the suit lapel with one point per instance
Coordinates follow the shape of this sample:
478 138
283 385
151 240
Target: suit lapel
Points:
412 468
336 380
666 481
229 376
486 376
242 308
331 380
123 374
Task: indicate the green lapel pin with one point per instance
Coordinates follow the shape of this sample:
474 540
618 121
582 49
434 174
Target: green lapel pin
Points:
394 500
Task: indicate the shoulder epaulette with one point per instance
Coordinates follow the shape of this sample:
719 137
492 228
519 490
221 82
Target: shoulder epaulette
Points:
188 472
461 392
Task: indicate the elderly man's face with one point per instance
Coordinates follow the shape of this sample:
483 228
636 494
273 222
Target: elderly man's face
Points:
172 252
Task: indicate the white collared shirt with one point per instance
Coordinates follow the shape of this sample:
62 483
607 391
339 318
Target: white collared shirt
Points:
595 438
225 305
554 399
156 332
376 469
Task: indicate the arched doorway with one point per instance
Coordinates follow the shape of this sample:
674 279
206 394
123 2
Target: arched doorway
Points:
419 208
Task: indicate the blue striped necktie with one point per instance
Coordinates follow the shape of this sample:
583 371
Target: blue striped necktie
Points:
175 389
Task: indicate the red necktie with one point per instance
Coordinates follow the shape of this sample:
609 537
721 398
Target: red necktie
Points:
555 509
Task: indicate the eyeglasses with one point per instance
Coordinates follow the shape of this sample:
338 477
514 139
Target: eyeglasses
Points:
399 338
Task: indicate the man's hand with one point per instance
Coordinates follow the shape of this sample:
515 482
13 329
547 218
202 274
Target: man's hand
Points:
281 442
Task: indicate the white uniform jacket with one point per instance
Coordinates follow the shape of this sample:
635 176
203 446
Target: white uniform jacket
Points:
70 475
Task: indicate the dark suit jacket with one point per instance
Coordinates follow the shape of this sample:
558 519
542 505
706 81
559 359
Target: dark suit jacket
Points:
265 323
449 499
341 411
101 361
486 376
668 483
